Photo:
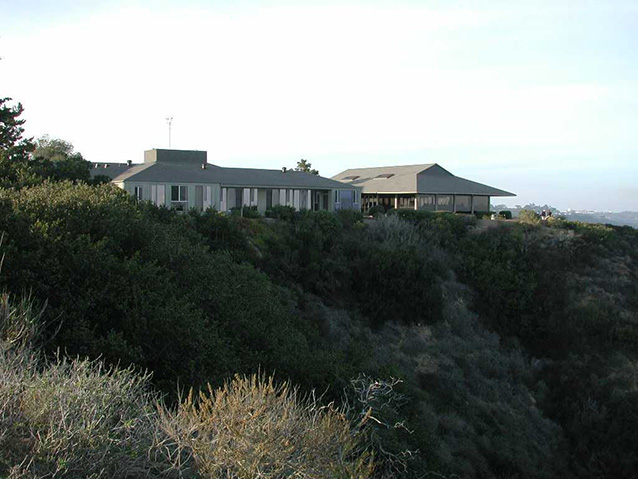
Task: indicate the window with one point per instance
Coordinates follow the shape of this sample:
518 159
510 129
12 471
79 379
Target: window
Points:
346 197
384 176
268 199
481 203
426 202
138 193
179 197
445 203
351 178
406 201
463 203
179 193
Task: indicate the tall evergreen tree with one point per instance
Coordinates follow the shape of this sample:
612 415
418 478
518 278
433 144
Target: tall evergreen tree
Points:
25 163
12 145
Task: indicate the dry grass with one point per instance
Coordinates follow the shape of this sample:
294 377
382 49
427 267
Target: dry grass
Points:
68 418
252 428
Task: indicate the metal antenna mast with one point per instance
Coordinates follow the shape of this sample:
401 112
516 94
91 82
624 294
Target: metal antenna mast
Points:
169 120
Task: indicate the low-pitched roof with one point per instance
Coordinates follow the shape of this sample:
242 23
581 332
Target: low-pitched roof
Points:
399 179
108 169
411 179
160 172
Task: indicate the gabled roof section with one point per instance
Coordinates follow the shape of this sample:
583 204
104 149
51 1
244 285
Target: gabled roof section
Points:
384 179
424 179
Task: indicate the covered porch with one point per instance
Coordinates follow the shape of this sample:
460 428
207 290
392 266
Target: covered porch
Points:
429 202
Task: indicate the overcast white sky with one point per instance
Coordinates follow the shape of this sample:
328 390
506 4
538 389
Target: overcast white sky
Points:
539 98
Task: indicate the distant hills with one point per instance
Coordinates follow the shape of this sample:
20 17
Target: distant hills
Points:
623 218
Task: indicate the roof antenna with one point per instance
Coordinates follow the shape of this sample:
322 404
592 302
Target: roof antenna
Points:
169 120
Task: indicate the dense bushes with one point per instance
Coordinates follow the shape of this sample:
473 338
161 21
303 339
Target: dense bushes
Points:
77 418
281 212
121 285
392 284
245 212
336 257
321 297
566 294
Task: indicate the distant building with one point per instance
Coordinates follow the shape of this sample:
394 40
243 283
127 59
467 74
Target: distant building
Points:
419 187
183 179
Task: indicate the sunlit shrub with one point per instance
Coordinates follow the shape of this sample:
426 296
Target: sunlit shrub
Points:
69 419
252 427
529 217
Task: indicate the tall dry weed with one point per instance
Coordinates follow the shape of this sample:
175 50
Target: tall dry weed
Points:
253 428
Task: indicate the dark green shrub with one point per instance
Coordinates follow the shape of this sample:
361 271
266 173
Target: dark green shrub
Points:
349 217
505 214
245 212
282 212
413 215
134 290
376 210
396 284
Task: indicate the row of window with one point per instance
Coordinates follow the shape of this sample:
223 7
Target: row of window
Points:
178 197
461 203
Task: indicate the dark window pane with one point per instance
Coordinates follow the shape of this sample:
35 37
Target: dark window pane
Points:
268 199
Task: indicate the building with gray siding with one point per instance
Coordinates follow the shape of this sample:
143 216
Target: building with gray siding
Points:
183 179
419 187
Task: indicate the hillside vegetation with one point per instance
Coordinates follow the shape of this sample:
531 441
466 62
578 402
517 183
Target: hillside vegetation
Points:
505 353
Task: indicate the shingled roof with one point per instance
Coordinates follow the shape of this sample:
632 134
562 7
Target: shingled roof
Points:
187 171
412 179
